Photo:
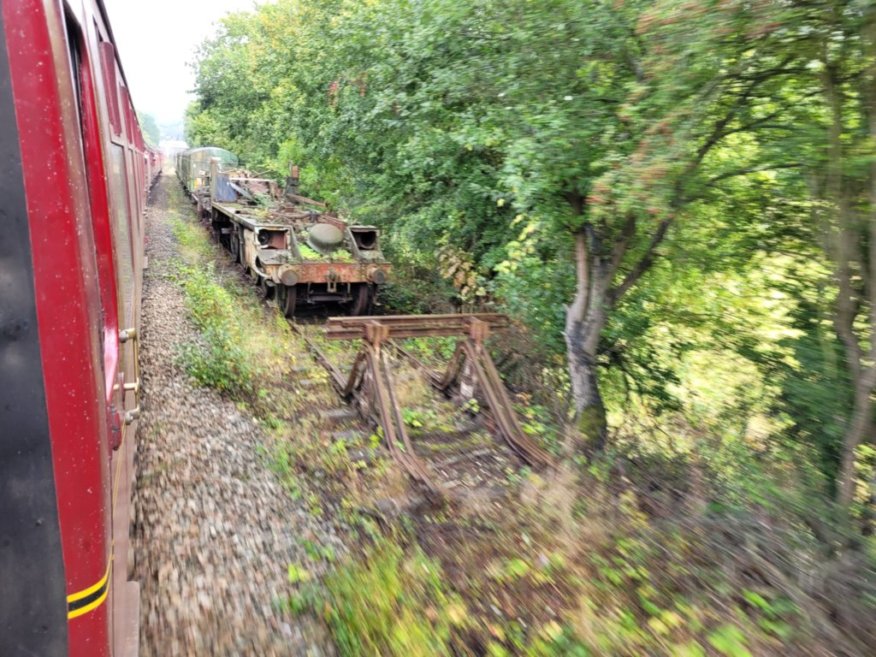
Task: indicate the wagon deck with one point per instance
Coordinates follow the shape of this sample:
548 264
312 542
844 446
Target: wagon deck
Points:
291 245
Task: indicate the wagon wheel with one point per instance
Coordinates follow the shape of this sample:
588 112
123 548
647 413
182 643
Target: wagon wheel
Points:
362 300
235 247
286 297
266 290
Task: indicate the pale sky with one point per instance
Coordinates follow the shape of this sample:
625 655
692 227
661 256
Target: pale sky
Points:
156 40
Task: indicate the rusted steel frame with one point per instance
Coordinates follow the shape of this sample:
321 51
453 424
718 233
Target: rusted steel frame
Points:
413 326
451 374
297 198
392 422
434 377
320 272
401 333
379 329
494 319
493 388
376 332
383 396
396 319
440 381
487 378
443 382
357 373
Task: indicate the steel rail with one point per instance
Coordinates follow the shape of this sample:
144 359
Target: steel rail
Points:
370 380
387 409
498 403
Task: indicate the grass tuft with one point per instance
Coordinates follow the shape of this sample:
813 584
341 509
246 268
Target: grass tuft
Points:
391 602
218 359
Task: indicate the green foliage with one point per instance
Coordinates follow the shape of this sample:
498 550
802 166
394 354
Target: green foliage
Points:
218 362
552 641
684 147
816 387
307 253
730 641
151 131
390 602
216 359
482 136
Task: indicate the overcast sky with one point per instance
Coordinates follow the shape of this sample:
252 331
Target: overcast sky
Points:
156 40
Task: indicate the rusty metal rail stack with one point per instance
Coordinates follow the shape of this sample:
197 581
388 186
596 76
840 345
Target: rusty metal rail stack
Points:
470 370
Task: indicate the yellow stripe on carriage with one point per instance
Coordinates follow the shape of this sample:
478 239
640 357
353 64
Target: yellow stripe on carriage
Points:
84 593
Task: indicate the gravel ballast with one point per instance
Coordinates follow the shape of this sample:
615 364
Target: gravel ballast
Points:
215 530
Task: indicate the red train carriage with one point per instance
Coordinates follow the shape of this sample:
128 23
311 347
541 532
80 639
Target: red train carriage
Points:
74 175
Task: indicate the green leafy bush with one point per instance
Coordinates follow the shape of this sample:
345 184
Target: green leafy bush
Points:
217 358
391 602
218 362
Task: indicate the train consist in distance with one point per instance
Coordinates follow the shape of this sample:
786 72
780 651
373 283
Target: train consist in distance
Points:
290 245
73 184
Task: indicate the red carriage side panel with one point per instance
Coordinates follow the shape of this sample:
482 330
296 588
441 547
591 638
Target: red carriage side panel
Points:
126 208
33 609
114 180
68 308
74 173
101 220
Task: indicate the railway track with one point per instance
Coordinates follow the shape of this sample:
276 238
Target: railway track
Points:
463 459
469 457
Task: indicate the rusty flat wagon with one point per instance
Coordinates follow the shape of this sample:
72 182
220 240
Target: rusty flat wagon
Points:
292 246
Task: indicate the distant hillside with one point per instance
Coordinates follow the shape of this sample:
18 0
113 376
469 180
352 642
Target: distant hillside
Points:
172 130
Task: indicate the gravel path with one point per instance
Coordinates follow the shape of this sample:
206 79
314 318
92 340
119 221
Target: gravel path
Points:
215 530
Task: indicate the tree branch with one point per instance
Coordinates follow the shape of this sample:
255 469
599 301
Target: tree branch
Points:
622 244
644 263
718 131
735 173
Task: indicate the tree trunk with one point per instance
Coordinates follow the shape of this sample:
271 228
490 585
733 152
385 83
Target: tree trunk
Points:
849 300
859 429
585 319
863 368
590 417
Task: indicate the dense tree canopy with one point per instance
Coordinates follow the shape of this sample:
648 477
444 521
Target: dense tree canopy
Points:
151 131
679 199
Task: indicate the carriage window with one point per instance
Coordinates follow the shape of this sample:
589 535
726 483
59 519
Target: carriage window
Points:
76 67
111 86
119 196
85 90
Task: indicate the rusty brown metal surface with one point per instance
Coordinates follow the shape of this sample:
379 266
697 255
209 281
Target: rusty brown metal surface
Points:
470 360
320 272
297 198
500 405
370 381
276 235
391 420
412 326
